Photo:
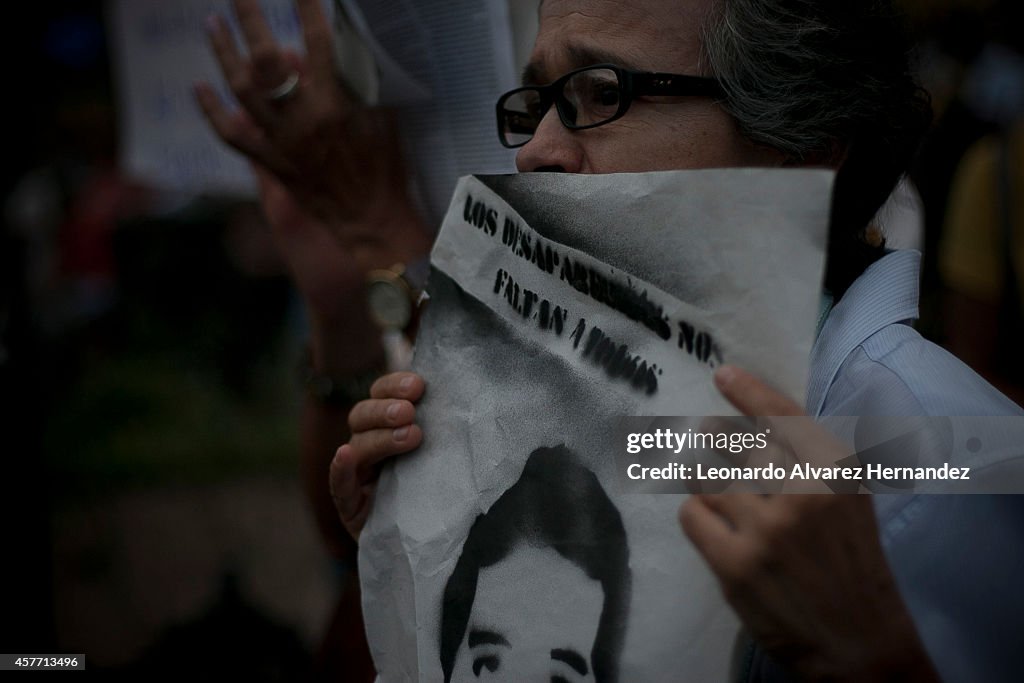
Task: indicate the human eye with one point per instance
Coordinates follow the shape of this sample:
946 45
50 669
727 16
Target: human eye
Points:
595 94
604 93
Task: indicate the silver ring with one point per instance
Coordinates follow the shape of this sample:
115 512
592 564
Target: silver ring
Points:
286 89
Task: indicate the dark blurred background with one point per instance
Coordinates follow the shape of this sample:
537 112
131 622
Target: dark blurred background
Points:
149 341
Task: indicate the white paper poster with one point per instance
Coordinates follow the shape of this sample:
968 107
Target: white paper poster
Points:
503 549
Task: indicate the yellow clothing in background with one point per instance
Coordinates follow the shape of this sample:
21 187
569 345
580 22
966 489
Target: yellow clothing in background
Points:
971 256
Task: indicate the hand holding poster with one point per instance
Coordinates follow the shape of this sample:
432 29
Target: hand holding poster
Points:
504 545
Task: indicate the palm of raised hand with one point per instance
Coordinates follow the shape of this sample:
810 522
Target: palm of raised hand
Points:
341 162
327 275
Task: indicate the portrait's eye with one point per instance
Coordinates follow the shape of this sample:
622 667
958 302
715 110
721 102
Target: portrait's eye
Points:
568 666
560 674
489 662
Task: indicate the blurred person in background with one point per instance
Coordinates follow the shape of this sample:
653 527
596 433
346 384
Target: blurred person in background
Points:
134 330
982 247
971 63
53 297
335 190
982 260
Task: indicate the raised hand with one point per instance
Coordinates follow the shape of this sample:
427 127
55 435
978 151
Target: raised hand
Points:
339 161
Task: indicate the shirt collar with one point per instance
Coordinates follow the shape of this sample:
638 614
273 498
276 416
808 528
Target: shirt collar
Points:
884 294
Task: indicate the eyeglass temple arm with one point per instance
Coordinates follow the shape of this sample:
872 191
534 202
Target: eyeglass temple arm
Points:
675 85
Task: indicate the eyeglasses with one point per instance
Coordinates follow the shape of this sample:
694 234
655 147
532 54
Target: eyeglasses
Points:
590 97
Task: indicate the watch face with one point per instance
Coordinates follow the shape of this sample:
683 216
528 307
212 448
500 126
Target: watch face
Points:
390 305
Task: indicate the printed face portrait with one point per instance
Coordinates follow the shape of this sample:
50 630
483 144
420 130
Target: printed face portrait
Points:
535 618
541 589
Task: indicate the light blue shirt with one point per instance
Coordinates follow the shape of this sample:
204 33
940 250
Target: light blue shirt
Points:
958 560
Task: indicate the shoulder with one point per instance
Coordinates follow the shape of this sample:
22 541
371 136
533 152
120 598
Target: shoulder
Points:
933 542
868 360
895 371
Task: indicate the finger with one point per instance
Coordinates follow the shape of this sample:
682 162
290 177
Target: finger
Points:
363 505
380 413
238 72
268 184
739 510
225 123
732 441
269 67
237 69
818 486
713 537
407 385
317 34
375 445
236 129
351 498
224 48
282 185
293 60
752 396
344 482
755 398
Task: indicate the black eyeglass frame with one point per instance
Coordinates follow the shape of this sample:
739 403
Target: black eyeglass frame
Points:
632 84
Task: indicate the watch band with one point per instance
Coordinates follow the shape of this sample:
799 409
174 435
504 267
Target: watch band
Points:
416 274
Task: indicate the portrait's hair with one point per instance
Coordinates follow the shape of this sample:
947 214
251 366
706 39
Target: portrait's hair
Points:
826 82
560 504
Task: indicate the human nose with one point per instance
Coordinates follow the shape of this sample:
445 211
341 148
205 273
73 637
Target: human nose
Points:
553 147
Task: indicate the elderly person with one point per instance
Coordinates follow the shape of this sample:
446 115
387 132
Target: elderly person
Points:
834 587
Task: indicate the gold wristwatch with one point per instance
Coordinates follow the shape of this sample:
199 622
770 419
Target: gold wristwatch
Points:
393 294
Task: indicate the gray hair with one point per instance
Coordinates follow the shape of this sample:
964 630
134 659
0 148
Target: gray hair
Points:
825 82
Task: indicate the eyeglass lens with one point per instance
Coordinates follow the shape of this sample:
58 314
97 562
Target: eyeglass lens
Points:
589 97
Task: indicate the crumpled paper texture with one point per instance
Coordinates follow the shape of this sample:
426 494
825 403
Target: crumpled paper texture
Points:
736 254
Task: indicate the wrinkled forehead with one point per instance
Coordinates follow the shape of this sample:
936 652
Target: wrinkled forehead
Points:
648 35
